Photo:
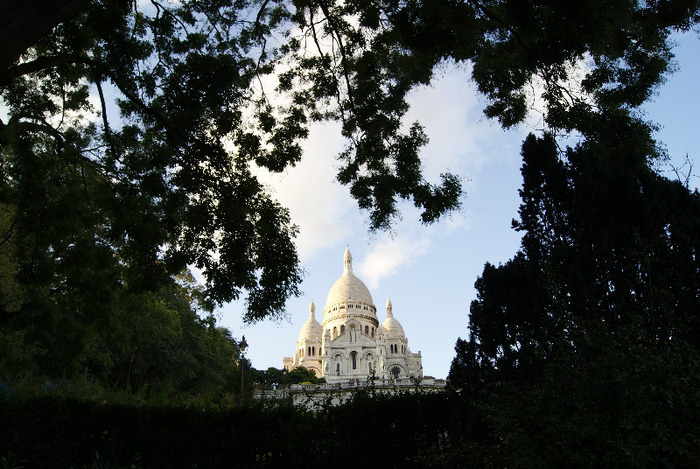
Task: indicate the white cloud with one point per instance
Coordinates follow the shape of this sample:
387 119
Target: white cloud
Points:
407 244
462 139
390 254
318 204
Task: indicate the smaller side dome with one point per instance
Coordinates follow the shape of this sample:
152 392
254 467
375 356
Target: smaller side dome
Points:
311 330
391 326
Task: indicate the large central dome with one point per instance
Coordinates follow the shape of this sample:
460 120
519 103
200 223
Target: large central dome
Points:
348 288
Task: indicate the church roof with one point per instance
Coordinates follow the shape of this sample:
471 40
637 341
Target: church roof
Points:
391 326
348 287
311 330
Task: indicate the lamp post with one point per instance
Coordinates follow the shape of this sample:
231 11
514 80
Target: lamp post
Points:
242 345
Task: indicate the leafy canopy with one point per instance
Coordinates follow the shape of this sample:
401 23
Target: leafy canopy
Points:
134 130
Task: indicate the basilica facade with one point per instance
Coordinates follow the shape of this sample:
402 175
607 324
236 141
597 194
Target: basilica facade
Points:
350 343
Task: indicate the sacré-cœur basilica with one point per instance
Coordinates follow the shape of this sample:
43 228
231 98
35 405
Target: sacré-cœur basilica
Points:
349 344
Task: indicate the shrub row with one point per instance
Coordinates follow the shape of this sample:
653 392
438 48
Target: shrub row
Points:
60 432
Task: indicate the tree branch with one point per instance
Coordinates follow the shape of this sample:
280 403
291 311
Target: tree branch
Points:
343 56
41 63
26 22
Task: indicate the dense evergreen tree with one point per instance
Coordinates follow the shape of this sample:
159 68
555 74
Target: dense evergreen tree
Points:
588 339
609 249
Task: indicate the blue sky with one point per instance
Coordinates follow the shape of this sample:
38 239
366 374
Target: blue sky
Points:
429 271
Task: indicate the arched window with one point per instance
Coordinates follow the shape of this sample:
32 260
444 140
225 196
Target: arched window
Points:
309 351
338 359
335 332
342 330
353 357
313 351
373 332
366 329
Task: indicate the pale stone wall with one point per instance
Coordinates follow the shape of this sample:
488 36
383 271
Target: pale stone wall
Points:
318 396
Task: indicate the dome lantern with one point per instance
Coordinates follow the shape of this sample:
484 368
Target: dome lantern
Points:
347 260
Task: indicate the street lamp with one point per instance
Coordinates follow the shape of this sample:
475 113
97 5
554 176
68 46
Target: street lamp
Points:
242 345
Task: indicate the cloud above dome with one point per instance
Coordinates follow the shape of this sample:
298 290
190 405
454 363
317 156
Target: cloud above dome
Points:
388 255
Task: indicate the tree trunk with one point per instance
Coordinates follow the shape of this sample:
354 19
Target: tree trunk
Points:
27 21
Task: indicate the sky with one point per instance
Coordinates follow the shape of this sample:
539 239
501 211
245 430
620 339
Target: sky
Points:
429 271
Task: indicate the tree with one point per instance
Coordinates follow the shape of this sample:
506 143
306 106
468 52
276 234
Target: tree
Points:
274 376
156 189
608 249
588 339
171 179
133 132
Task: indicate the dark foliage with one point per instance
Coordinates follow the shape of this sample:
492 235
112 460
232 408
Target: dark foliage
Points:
609 249
404 431
584 348
272 377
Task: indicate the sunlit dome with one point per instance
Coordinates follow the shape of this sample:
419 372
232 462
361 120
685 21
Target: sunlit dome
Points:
311 330
391 326
348 287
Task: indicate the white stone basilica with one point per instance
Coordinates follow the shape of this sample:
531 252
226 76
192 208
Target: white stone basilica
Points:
350 344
